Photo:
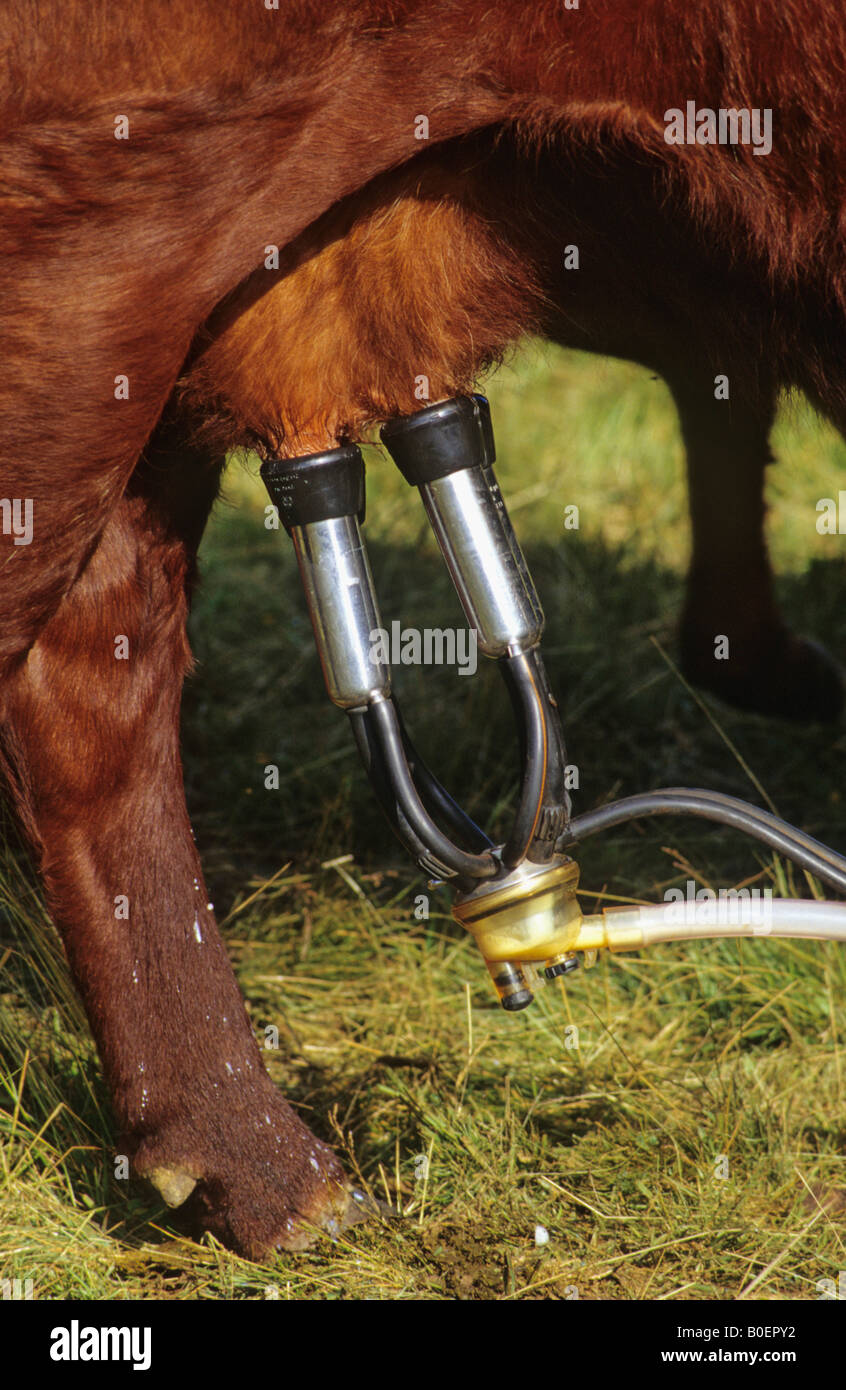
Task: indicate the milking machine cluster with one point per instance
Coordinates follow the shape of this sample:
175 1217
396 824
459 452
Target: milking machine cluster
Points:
518 899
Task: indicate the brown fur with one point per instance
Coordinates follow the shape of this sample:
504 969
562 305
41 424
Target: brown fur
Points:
399 259
403 280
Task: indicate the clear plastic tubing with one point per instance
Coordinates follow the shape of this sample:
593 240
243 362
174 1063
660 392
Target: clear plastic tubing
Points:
627 928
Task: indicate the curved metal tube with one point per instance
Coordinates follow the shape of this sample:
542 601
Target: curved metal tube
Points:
406 787
447 451
535 754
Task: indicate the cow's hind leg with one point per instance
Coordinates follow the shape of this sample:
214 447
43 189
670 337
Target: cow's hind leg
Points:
734 641
90 744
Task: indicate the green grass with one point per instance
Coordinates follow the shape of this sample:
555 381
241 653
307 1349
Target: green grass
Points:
390 1039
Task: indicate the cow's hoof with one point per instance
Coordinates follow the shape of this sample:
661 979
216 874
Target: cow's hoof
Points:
274 1222
258 1210
255 1178
789 677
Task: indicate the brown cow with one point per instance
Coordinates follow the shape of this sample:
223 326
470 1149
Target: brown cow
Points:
421 165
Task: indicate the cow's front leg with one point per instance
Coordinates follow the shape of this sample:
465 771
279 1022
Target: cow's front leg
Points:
734 640
91 742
